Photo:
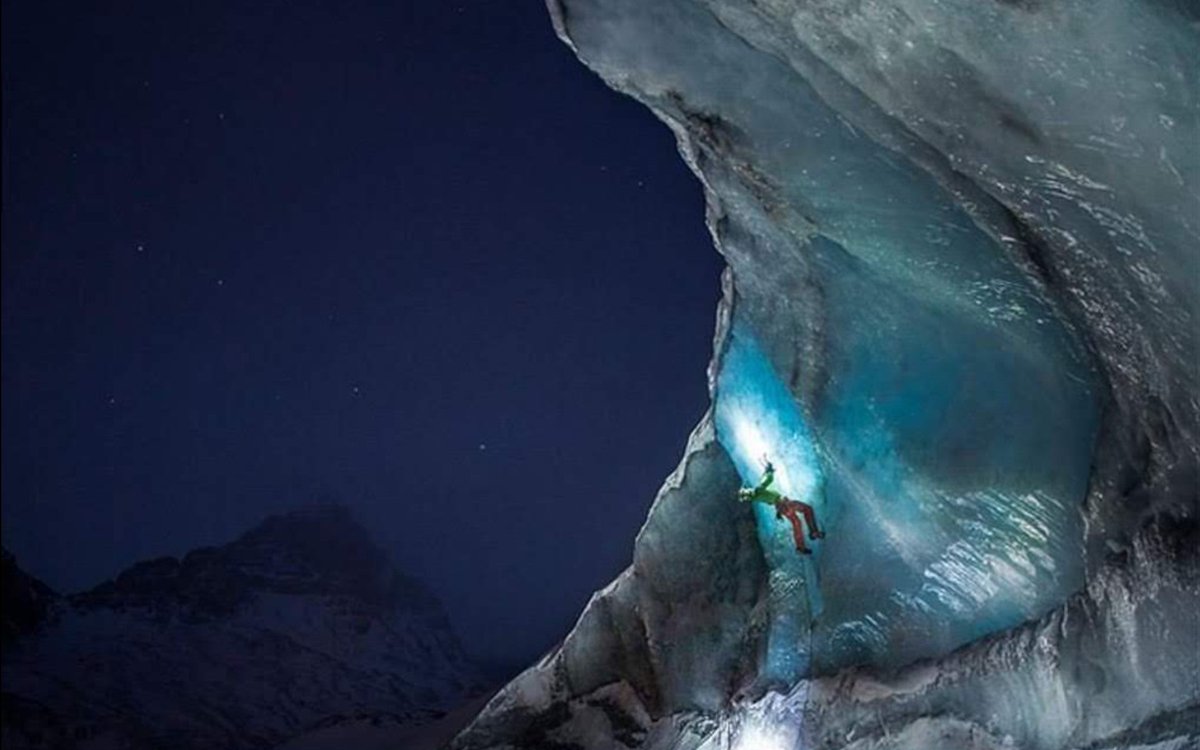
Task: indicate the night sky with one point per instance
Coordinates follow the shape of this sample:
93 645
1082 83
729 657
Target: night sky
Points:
412 256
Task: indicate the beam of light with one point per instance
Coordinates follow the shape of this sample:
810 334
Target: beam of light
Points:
773 722
756 450
749 437
758 420
758 736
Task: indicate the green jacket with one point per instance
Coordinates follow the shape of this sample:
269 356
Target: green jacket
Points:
763 492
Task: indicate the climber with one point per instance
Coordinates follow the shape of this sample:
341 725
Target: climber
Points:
784 508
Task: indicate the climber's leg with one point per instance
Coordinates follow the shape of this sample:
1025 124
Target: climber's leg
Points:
787 509
814 532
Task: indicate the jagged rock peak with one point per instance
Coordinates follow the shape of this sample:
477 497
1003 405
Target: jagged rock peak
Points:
299 623
319 549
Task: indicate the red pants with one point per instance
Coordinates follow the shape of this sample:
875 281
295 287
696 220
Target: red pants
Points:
787 509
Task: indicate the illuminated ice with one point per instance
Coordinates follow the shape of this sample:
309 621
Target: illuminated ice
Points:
960 319
757 420
923 555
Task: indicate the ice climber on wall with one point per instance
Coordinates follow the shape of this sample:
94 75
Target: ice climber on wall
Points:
784 508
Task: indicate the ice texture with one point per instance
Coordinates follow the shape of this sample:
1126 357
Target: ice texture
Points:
963 246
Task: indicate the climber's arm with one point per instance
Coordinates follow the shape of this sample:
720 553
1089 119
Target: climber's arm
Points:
768 478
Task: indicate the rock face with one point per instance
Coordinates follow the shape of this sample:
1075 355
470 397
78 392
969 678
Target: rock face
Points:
299 622
960 319
26 601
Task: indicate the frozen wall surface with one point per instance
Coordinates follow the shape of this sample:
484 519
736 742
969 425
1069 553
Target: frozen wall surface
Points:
963 240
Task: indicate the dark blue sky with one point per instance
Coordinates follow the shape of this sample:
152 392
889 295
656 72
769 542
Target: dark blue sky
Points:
260 253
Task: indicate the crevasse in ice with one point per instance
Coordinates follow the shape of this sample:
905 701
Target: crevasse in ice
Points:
939 528
963 246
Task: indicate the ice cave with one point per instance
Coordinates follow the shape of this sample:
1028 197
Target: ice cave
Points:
958 316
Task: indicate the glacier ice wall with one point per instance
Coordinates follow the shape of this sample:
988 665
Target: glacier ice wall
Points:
963 256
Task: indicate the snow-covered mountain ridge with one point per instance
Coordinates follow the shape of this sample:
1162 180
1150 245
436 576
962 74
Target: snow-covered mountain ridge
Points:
298 623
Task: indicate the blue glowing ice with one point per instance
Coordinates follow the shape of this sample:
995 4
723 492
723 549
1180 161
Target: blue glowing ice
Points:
946 522
758 420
